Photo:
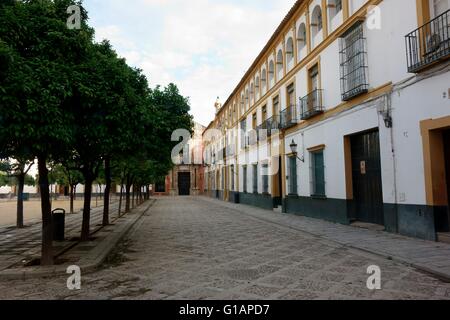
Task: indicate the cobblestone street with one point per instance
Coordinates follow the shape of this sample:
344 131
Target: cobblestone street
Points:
193 248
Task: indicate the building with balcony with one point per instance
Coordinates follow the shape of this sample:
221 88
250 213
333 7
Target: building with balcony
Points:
343 116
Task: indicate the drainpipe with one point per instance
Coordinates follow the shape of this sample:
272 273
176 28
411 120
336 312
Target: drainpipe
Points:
388 99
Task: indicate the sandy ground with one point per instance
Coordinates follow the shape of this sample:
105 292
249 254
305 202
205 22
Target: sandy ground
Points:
32 209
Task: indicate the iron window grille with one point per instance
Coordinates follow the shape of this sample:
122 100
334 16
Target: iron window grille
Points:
429 43
311 104
353 63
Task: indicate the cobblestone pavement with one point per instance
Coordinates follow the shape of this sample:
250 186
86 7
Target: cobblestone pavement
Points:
188 248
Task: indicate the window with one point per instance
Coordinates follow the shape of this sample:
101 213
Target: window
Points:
290 95
244 176
279 64
243 133
314 78
301 39
265 178
316 21
438 7
264 113
257 88
289 51
276 106
271 72
335 7
292 176
264 80
254 118
353 63
255 178
247 102
317 174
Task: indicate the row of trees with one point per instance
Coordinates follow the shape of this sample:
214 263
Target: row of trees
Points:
68 101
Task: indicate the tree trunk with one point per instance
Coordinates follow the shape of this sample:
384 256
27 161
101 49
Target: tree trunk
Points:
47 225
85 229
120 197
72 192
107 192
127 198
21 181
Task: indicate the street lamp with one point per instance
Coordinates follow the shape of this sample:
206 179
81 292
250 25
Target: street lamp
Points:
294 148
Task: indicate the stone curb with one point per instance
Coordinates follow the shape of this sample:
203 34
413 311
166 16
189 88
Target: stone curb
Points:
419 266
93 259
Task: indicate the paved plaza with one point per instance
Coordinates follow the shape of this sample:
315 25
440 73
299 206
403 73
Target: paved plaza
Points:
197 248
32 210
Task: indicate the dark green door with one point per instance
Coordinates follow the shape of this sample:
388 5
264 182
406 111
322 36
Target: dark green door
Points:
366 171
184 183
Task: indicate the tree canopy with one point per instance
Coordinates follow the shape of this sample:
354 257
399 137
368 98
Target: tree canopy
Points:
74 103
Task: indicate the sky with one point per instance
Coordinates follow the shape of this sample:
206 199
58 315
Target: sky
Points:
203 46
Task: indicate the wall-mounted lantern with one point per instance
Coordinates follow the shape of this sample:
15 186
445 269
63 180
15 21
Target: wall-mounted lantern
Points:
294 150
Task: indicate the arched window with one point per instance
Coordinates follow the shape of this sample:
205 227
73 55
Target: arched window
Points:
246 99
271 72
335 6
242 104
257 88
252 92
301 38
264 79
316 21
279 63
289 51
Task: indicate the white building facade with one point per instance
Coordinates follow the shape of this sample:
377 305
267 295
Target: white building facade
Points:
341 117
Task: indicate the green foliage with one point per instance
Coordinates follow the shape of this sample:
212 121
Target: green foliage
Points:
76 104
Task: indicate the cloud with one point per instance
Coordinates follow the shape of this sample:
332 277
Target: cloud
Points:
203 46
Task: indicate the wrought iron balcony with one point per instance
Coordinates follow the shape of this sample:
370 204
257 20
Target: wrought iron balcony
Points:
428 44
272 125
289 117
311 105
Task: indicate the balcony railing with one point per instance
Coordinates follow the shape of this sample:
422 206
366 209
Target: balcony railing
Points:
272 125
429 43
311 105
289 117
